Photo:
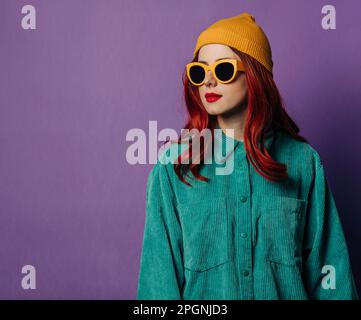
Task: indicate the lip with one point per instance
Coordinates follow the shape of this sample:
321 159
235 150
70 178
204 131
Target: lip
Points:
211 97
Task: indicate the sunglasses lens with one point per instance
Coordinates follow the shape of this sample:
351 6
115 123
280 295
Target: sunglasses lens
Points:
197 74
224 71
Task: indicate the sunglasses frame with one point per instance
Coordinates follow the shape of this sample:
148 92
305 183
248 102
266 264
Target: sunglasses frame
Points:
237 64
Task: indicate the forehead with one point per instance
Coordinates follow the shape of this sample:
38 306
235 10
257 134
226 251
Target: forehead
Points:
212 52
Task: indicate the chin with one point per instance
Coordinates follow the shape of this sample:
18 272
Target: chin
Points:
214 109
217 111
213 112
223 111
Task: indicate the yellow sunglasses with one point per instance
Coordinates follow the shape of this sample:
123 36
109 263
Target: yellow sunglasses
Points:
224 70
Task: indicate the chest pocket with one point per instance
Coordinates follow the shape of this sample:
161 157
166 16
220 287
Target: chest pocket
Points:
280 228
205 227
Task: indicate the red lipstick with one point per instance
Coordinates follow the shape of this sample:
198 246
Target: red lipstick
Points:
212 97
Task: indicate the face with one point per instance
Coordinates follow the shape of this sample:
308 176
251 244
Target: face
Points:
234 94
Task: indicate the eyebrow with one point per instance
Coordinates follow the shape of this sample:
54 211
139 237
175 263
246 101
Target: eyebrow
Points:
216 60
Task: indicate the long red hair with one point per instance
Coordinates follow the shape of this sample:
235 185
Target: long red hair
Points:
265 111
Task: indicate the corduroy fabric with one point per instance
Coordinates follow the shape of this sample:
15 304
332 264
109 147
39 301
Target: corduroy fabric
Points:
239 236
240 32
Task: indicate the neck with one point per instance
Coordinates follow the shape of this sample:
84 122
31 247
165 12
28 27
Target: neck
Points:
235 121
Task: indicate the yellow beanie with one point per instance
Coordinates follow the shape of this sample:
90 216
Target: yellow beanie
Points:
240 32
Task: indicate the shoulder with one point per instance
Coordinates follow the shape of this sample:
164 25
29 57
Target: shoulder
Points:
167 155
298 151
162 177
170 152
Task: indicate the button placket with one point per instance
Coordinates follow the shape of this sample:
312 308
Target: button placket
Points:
244 218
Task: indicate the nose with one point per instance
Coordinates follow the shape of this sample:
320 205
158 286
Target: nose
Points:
209 79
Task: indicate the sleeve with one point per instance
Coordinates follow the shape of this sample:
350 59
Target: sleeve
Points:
326 270
161 271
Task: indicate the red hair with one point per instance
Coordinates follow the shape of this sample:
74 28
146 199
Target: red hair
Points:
265 111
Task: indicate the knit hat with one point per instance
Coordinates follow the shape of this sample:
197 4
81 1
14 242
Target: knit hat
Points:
240 32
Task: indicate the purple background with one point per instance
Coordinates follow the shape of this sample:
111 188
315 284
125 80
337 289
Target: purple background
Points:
70 204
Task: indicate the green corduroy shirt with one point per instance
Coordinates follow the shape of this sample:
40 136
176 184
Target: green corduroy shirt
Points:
240 236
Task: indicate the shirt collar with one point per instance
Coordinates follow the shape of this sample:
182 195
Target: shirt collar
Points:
224 145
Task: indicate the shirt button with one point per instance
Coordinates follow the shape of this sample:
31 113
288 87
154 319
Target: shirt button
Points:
246 273
243 198
244 234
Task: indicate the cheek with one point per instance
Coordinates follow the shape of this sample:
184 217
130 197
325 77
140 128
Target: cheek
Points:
236 92
202 90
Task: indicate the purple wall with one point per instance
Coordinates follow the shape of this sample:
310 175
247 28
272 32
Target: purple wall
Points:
70 90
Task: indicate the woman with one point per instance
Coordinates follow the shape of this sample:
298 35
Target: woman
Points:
267 228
